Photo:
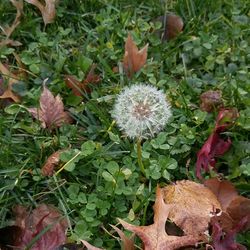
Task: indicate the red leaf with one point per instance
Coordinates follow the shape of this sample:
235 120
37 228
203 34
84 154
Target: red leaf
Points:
213 147
222 241
32 224
51 112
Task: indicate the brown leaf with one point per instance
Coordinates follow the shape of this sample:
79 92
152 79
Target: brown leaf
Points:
223 190
192 206
8 30
11 79
51 163
238 208
48 9
51 113
44 216
79 87
133 59
128 243
155 236
10 42
211 100
172 25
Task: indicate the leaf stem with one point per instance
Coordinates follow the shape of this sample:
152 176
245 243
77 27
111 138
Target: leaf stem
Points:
139 156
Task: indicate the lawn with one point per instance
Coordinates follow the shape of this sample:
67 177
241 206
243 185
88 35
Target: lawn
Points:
83 158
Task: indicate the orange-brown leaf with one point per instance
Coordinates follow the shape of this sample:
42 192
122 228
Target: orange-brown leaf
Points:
133 59
192 204
238 208
154 236
48 9
51 163
51 113
224 191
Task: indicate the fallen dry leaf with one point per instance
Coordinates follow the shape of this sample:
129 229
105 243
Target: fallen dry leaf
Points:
238 209
79 87
10 42
128 243
211 100
155 236
11 79
192 204
51 163
51 113
133 59
31 224
172 26
8 30
223 190
48 9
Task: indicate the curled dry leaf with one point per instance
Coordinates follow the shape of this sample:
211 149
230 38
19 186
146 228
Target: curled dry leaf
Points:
41 218
79 87
192 204
11 79
133 59
155 236
172 26
8 30
51 113
211 100
51 163
48 9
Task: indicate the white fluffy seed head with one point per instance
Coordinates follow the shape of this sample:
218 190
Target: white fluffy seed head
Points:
141 111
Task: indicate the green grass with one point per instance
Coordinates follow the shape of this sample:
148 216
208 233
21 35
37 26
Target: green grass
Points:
211 53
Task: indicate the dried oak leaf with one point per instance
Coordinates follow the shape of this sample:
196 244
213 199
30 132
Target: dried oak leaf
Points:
215 146
44 217
48 9
211 100
79 87
8 30
133 59
192 204
51 113
11 79
51 163
155 236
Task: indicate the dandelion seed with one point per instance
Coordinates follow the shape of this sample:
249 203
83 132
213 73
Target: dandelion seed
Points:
141 111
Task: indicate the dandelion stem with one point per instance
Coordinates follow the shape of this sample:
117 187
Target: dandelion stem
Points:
139 156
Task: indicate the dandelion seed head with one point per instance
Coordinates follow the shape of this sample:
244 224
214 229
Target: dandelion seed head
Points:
141 111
